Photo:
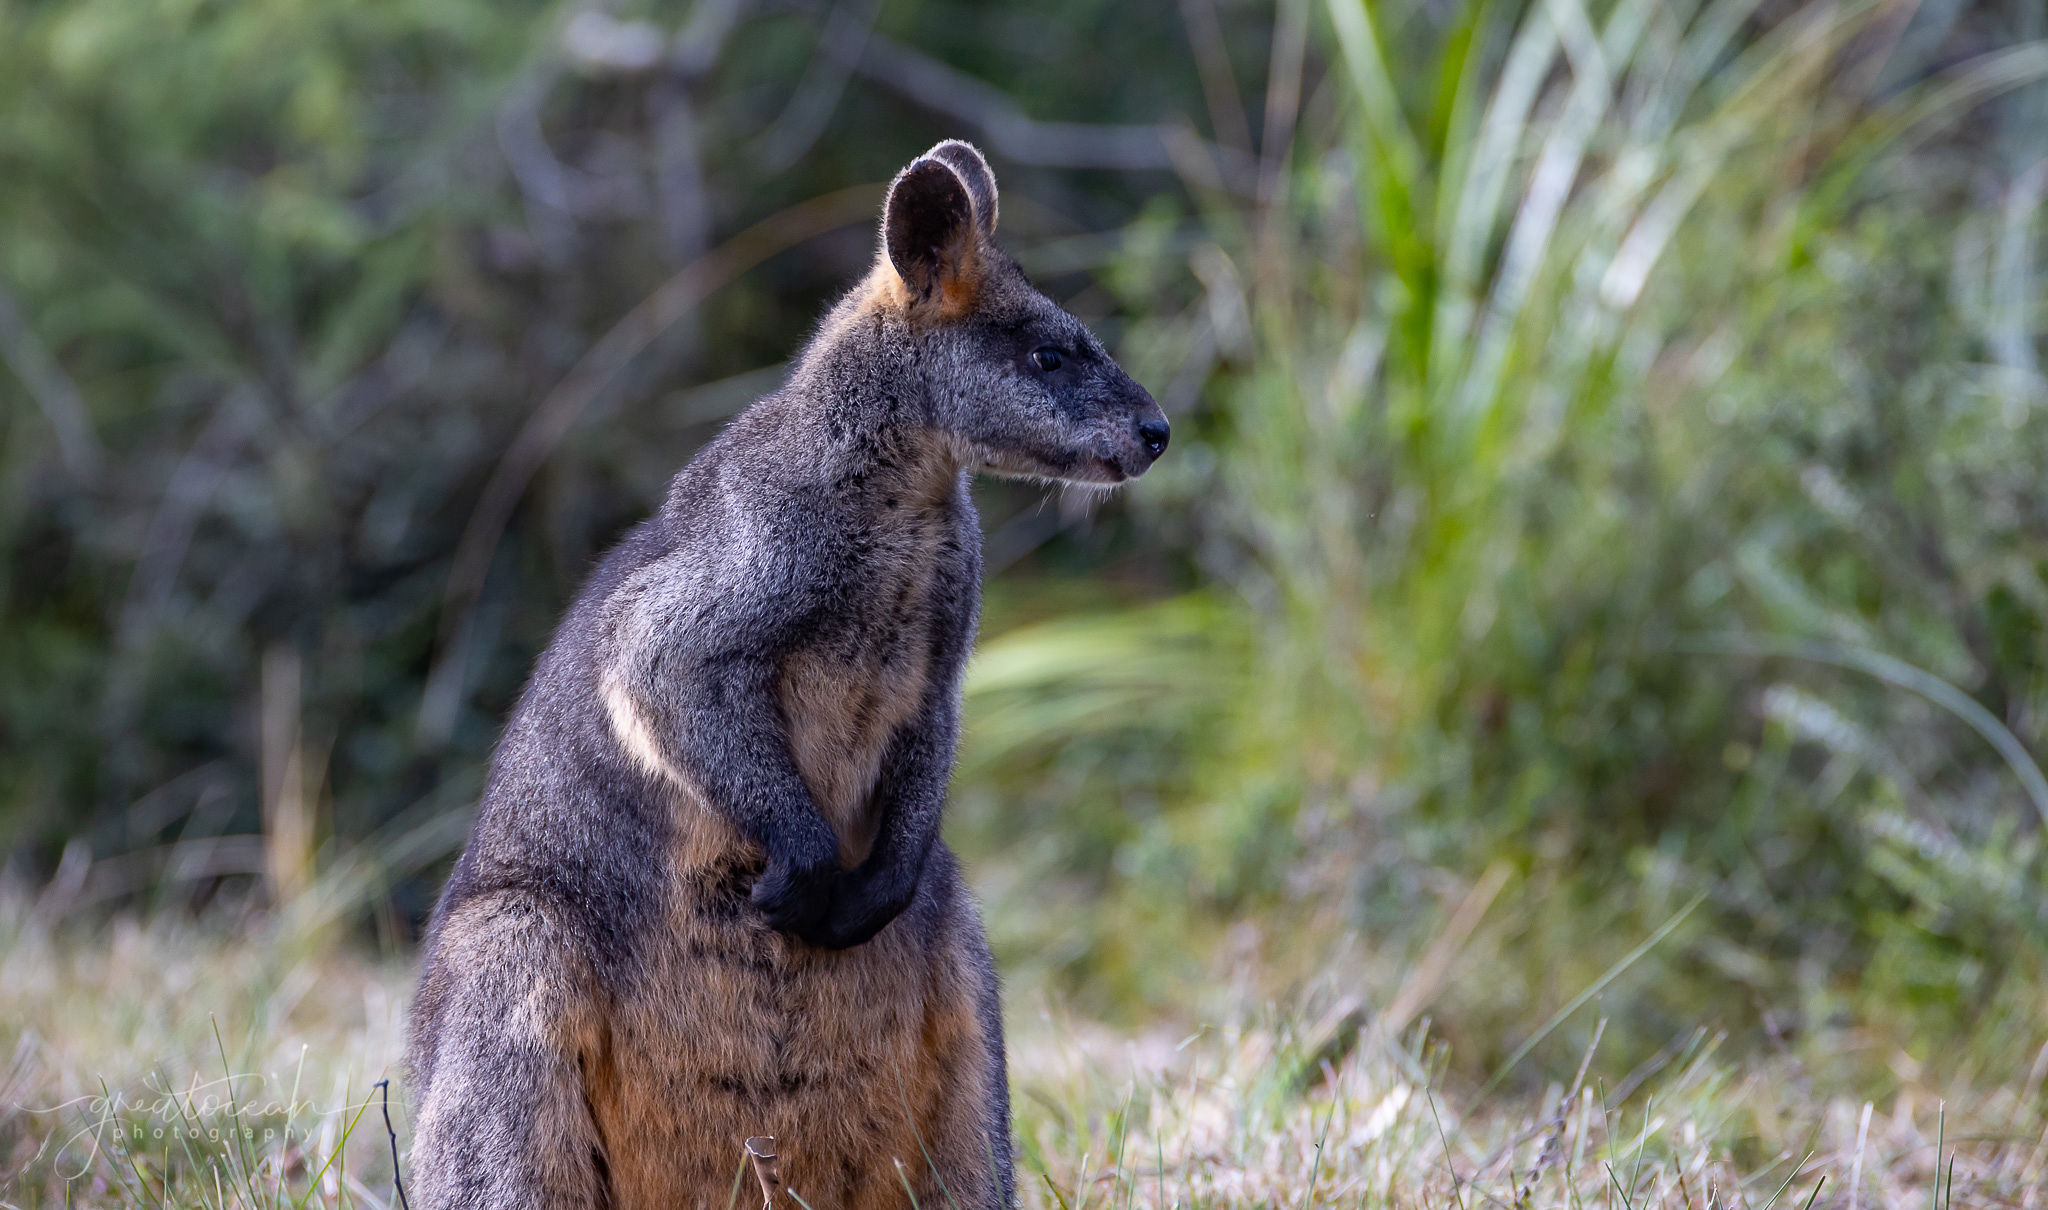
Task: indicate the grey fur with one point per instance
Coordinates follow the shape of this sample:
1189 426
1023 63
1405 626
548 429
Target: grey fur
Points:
723 784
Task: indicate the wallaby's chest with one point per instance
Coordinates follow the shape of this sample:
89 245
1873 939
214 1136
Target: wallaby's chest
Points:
846 695
733 1031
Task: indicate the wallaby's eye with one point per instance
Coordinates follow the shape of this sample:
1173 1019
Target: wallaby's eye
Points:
1047 360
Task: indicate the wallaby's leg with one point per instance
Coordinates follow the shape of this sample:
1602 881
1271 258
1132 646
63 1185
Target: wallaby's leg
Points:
996 1119
507 1025
965 1135
963 1154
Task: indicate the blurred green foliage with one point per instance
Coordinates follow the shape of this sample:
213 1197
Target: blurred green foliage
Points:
1616 454
1609 447
282 287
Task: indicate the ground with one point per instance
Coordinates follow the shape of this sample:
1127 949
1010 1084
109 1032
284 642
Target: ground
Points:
123 1035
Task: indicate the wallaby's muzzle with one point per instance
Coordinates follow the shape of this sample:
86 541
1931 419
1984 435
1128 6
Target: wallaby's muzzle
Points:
1140 441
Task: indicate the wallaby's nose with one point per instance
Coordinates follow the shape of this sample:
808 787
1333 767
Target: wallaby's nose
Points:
1154 433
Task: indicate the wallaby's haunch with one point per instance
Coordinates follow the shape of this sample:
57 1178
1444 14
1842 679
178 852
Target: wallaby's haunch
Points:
705 897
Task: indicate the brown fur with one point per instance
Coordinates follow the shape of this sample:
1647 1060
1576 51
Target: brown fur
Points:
953 297
785 1037
854 1060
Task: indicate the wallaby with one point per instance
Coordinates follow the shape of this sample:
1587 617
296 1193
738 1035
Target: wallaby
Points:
704 897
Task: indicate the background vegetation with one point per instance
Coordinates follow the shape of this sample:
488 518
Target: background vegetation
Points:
1607 500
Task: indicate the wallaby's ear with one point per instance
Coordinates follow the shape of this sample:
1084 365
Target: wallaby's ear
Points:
928 231
981 183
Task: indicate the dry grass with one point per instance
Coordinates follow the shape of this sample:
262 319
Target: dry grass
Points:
1248 1117
122 1042
121 1035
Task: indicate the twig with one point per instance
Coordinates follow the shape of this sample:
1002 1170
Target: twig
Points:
397 1181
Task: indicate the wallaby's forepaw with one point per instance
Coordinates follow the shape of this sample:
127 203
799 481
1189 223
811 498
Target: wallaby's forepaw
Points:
797 897
862 906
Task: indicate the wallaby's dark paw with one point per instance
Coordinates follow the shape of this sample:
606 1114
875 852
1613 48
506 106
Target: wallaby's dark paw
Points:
796 898
859 911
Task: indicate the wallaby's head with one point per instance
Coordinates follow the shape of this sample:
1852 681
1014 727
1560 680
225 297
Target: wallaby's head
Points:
1023 387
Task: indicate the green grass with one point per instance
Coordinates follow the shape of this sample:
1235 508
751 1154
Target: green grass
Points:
121 1036
167 1063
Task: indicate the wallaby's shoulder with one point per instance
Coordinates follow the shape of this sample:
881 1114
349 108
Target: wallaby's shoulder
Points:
555 778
